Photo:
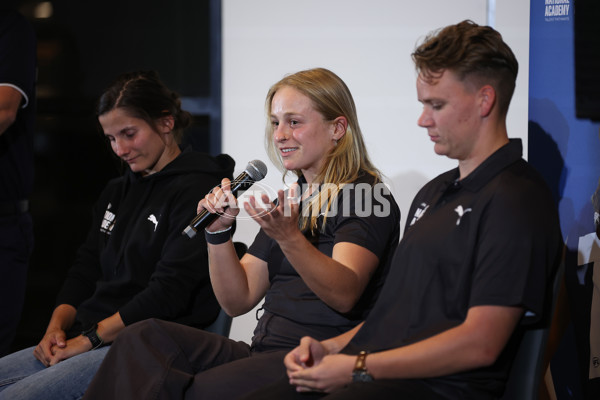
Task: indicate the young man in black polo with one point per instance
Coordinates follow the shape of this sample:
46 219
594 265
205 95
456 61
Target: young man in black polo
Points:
480 246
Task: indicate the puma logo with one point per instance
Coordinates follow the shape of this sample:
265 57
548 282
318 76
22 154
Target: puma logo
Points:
153 219
460 211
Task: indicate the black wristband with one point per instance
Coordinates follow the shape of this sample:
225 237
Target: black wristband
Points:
93 336
219 237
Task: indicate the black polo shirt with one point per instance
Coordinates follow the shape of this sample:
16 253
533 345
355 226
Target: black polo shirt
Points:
367 216
17 69
489 239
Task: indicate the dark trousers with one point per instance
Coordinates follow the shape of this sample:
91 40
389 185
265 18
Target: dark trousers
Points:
396 389
16 244
154 359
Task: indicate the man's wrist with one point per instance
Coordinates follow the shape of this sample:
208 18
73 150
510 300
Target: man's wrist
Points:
360 372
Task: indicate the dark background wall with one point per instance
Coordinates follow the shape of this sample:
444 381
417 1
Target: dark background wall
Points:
82 47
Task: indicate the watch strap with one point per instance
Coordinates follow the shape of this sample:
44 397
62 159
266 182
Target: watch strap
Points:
92 334
361 364
360 372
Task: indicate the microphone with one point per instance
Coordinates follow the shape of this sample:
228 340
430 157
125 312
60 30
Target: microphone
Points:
255 171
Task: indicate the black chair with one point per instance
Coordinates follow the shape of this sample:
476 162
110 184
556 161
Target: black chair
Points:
222 325
527 371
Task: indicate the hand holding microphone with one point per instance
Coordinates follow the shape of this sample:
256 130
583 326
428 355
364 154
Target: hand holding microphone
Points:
255 171
220 207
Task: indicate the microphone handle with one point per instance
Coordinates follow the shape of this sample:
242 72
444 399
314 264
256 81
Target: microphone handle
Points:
205 218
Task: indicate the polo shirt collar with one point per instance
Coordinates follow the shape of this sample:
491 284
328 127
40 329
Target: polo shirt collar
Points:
492 166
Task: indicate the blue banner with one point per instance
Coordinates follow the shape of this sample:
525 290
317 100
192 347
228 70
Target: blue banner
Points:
566 150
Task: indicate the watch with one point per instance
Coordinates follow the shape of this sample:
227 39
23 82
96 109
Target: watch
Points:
360 372
92 335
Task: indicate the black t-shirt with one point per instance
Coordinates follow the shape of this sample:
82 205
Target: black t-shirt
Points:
490 239
366 215
17 69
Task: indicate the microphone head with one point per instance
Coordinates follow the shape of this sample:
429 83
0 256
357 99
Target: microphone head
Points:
256 169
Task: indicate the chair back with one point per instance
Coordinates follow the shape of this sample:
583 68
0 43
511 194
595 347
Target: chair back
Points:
527 369
221 325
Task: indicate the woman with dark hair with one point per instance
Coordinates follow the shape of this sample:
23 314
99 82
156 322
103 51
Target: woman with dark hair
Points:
319 259
134 264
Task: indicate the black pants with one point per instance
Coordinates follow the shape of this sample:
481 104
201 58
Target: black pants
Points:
154 359
396 389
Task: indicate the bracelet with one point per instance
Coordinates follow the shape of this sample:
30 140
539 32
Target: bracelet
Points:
218 237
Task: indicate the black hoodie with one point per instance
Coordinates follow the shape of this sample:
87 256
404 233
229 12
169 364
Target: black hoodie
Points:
135 259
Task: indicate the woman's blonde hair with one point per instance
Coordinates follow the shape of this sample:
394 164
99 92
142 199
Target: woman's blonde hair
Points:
331 98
